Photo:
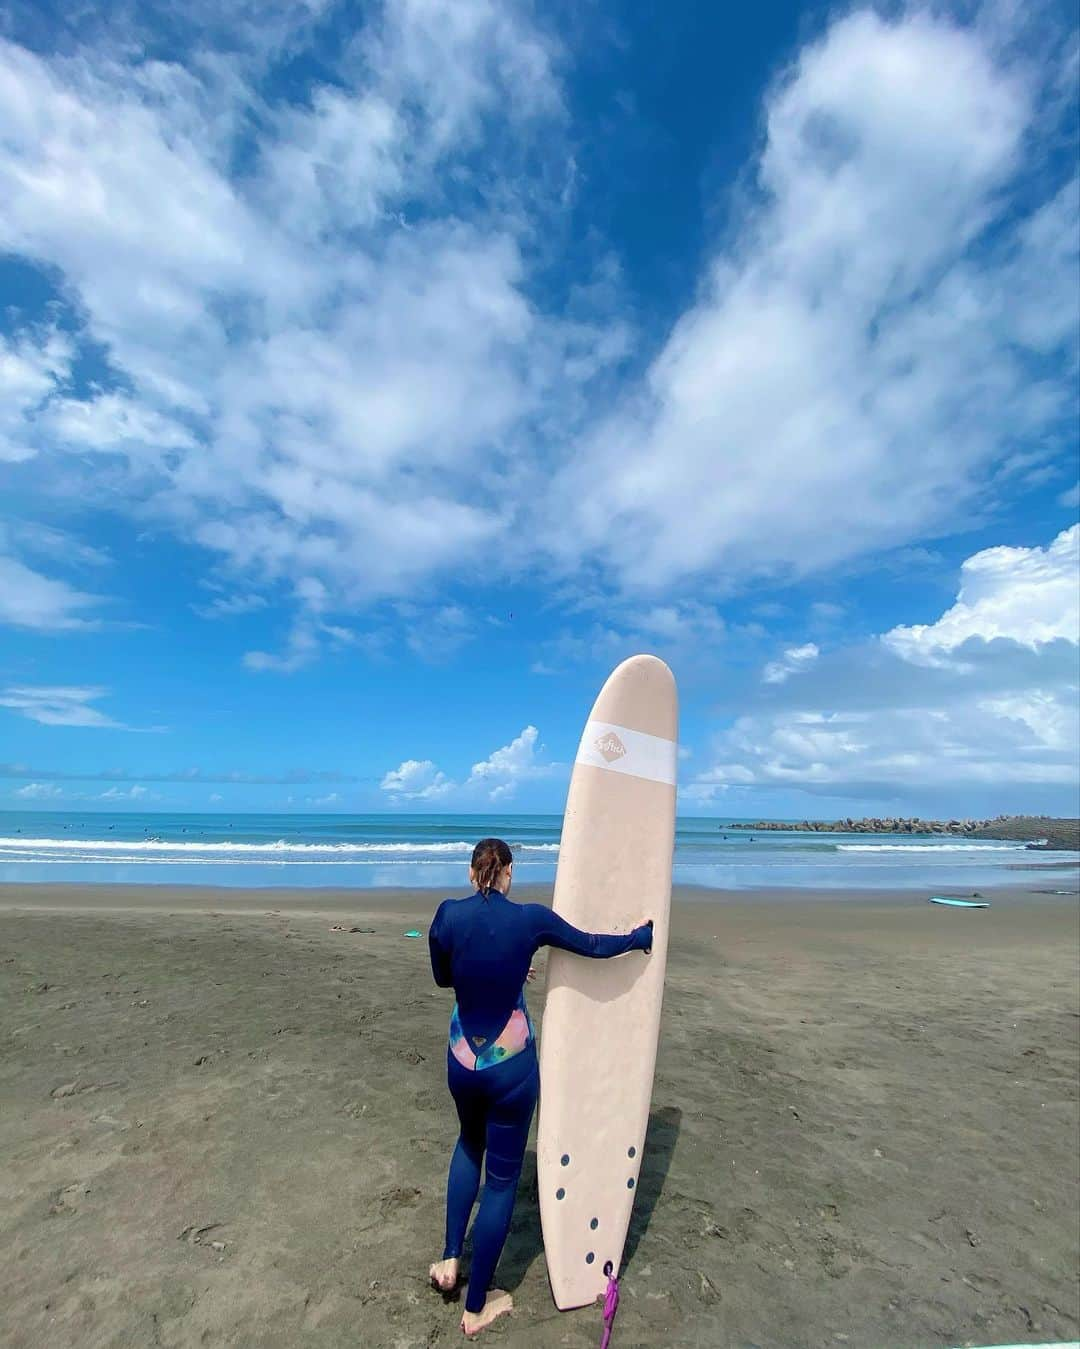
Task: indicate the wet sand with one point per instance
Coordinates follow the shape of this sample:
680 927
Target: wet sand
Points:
222 1123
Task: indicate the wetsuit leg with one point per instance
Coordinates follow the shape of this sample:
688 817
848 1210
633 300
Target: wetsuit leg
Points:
511 1101
464 1179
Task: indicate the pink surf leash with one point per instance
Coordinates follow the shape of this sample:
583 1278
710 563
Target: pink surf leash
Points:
611 1306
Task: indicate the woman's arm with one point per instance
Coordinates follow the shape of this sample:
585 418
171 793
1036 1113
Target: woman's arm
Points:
551 930
440 956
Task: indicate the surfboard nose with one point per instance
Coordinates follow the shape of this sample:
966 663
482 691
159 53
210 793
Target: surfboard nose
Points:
643 687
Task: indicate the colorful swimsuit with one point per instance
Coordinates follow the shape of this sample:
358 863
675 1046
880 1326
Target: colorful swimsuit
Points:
516 1035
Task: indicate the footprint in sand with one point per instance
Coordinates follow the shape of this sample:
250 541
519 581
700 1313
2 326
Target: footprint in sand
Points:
200 1235
398 1197
65 1201
78 1088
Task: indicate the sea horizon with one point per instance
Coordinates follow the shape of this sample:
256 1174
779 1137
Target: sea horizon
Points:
430 851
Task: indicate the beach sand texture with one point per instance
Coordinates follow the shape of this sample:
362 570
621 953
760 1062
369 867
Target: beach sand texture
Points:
223 1124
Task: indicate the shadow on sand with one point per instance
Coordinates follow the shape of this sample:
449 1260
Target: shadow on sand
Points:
525 1243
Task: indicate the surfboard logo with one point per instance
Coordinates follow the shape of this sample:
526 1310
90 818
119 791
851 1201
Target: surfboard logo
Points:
610 747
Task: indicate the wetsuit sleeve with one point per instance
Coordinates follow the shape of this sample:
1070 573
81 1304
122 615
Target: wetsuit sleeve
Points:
551 930
440 954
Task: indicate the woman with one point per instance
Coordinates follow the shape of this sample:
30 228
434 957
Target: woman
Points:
482 947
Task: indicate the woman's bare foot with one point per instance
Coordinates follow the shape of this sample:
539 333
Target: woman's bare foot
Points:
444 1275
498 1302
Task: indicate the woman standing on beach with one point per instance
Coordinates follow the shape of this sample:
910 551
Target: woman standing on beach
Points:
482 948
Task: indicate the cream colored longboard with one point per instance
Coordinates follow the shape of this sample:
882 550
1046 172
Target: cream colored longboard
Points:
602 1017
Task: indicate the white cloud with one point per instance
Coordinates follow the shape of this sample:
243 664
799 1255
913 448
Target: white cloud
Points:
64 705
1026 595
686 633
215 797
30 537
19 770
859 353
416 780
135 793
301 650
306 638
435 635
33 366
310 382
516 762
312 363
1070 498
231 606
30 600
39 791
794 660
1025 741
331 799
899 714
496 777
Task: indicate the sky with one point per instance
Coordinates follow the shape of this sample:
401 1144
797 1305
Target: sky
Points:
374 378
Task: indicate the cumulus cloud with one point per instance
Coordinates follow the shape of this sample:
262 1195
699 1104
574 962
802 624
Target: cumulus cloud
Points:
416 780
1025 740
794 660
516 762
496 777
1026 595
58 705
901 713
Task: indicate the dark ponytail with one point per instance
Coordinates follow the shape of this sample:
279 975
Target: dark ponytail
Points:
490 857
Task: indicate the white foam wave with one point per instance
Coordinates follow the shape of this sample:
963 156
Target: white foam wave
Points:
334 850
930 847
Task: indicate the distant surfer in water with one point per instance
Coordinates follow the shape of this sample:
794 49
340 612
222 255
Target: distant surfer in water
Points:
482 947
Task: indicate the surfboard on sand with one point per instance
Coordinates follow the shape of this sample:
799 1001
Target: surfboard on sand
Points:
602 1017
949 903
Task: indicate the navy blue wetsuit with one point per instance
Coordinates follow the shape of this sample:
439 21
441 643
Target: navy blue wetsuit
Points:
482 947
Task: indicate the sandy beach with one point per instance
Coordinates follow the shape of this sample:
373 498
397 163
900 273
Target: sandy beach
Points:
223 1123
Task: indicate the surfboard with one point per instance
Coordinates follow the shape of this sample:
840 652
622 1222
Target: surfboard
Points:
959 903
602 1017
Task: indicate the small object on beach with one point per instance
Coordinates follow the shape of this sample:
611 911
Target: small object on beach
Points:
413 933
958 903
203 1058
362 929
193 1234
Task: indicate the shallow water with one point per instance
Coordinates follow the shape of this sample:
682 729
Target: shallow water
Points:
432 851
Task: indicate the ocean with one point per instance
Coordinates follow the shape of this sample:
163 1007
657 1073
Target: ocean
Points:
432 852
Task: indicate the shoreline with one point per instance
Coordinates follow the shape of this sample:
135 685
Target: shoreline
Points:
135 897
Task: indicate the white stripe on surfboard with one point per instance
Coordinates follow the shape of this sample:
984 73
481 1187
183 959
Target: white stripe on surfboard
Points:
621 750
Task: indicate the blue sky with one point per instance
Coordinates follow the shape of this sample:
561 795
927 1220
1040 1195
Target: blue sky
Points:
373 379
